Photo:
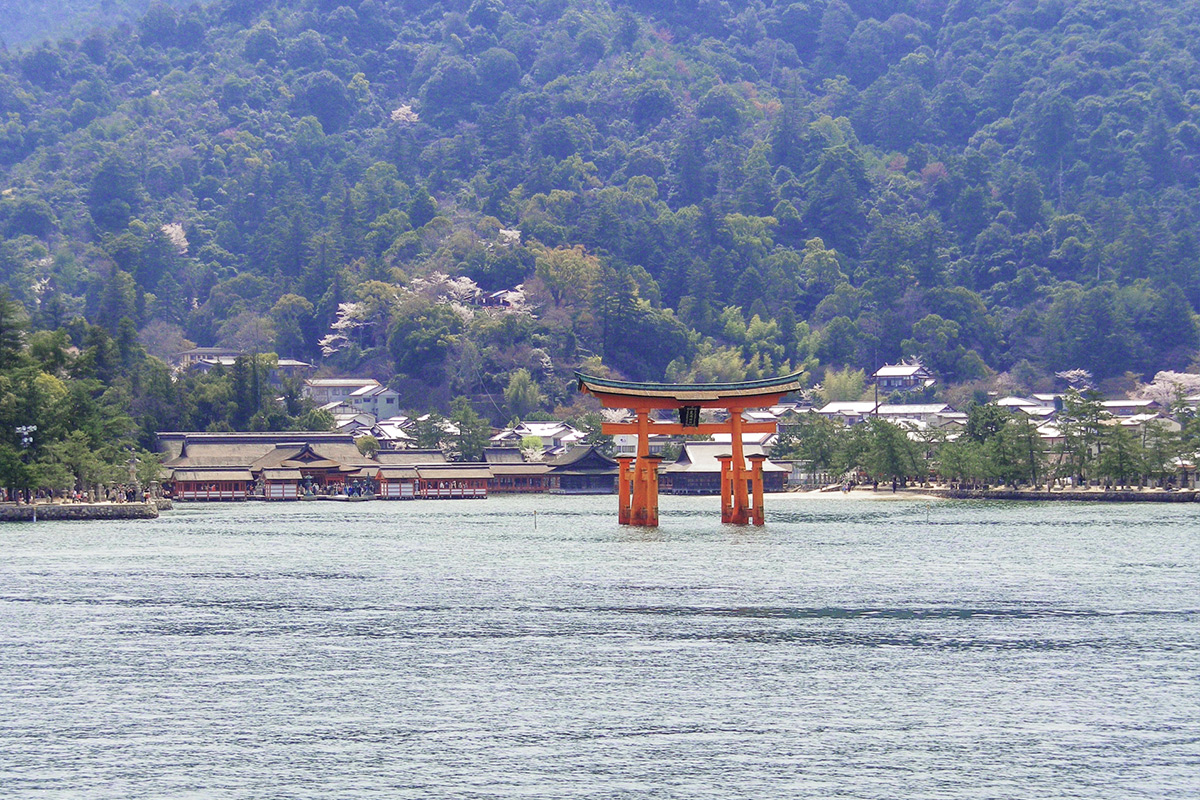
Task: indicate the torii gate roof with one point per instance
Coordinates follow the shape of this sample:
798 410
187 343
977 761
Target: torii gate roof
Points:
749 394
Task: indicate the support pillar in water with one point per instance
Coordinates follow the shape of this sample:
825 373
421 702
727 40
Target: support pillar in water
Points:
726 462
624 488
757 512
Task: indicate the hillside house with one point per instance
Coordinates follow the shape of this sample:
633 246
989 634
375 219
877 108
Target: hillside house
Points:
556 436
378 401
331 390
187 359
902 377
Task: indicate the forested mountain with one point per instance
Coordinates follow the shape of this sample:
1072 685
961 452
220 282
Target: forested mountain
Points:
694 189
31 21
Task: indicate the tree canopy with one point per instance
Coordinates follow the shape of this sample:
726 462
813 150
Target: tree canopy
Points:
716 190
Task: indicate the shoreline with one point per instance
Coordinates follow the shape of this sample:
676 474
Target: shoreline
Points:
82 512
132 511
1019 495
1076 495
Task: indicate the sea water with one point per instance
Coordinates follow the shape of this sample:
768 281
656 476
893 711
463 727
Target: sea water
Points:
531 647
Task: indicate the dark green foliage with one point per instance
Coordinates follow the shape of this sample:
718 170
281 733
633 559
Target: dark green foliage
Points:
1000 184
115 194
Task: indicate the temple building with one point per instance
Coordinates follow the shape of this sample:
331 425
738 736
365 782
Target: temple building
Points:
582 470
698 471
274 465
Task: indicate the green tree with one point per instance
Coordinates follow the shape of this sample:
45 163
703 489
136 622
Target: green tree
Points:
429 431
891 454
1014 452
1080 424
472 432
368 445
964 460
1122 457
812 438
985 421
846 384
77 453
1163 449
568 273
13 323
522 395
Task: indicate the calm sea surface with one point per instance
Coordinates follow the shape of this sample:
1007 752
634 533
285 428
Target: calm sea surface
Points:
850 649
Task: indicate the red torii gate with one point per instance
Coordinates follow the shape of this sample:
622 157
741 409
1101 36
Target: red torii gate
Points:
638 490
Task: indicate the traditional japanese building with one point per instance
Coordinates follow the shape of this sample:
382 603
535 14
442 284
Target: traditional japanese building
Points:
323 468
397 482
277 465
698 469
902 377
512 474
408 458
212 484
582 470
453 481
281 484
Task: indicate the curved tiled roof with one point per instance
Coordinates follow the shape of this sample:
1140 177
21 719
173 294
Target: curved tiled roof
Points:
694 391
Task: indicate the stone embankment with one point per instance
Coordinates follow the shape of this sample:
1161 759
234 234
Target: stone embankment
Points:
80 511
1093 496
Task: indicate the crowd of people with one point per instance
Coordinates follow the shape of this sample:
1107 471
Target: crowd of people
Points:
125 493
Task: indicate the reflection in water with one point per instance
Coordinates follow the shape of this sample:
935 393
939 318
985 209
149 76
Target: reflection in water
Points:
440 649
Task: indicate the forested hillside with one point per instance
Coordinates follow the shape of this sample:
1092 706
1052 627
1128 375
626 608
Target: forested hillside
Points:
695 190
30 21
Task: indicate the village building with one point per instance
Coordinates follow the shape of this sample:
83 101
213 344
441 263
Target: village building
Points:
284 368
1039 414
504 298
925 415
348 419
556 436
792 409
848 412
394 432
187 359
625 444
1016 403
763 439
902 377
1141 423
1129 407
378 401
330 390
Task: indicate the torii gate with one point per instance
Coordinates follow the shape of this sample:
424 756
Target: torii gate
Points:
638 492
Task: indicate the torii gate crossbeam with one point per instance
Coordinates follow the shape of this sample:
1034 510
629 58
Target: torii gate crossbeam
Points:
638 487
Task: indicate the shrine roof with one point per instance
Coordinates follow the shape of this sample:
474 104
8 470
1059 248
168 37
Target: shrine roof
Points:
681 392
